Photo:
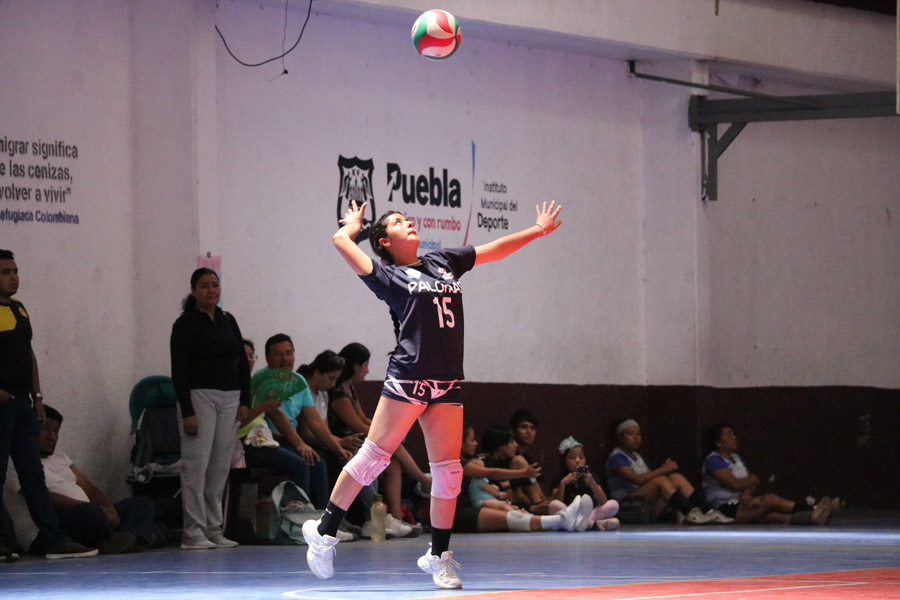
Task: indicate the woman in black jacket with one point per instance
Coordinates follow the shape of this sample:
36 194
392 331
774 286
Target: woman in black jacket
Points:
212 382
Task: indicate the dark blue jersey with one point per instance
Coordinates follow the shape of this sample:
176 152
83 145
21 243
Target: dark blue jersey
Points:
427 300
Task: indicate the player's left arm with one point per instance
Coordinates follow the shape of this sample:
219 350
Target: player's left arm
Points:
506 245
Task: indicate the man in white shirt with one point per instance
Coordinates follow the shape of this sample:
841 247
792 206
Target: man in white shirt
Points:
84 512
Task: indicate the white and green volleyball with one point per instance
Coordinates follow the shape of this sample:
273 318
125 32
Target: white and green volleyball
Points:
436 34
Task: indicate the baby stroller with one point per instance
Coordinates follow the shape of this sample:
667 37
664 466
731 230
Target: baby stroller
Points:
156 454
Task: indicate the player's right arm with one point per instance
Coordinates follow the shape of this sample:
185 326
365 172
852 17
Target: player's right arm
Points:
344 240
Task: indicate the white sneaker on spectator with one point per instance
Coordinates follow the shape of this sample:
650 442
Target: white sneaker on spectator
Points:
717 517
696 517
583 520
394 527
223 542
610 524
442 569
320 555
200 543
570 514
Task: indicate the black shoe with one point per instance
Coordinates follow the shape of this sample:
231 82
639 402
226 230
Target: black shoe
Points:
69 550
7 555
119 542
160 535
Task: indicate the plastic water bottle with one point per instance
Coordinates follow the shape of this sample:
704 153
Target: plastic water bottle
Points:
378 515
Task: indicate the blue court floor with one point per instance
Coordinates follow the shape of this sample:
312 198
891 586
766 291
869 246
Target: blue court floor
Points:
491 563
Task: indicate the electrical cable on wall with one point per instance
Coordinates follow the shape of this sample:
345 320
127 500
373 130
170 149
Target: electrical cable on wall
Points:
284 53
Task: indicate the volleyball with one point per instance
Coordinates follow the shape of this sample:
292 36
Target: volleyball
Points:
436 34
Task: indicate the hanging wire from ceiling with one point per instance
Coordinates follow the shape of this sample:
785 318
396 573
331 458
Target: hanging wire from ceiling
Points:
284 52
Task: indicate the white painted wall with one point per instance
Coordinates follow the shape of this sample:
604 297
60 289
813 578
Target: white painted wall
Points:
788 279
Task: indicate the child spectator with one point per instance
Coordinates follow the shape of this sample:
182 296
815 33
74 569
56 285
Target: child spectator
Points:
575 479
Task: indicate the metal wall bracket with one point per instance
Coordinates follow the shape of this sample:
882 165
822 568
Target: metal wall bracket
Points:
704 116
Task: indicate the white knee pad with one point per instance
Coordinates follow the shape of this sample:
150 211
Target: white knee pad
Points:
368 463
446 478
518 520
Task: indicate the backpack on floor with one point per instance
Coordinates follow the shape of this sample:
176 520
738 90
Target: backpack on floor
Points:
635 510
290 509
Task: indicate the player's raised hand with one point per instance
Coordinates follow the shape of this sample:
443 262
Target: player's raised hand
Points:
354 214
546 217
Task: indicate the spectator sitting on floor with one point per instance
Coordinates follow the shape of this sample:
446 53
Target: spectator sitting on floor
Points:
84 512
628 475
484 508
731 488
499 445
524 426
576 479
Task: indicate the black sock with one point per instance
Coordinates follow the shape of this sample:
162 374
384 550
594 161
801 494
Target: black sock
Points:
331 519
440 540
698 499
680 503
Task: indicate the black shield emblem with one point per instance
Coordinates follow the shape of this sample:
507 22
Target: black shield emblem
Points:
356 185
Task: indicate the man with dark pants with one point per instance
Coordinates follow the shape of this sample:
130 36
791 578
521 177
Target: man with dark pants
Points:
21 409
84 512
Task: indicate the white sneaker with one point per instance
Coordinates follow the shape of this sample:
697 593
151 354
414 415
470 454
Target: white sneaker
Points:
583 520
610 524
320 555
223 542
394 527
570 514
200 543
718 518
696 517
442 569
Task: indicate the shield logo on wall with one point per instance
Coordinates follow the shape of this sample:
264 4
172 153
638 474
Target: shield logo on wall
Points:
356 185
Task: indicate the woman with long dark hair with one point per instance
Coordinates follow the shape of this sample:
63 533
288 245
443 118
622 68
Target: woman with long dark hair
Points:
423 374
212 382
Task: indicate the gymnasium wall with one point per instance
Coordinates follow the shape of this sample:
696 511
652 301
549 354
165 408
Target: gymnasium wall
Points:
645 292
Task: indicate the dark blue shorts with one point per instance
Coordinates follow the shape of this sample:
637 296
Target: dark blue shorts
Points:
423 391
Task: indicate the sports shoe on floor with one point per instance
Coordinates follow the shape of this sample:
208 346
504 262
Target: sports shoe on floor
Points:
223 542
696 517
607 510
348 526
610 524
200 543
717 517
442 569
570 514
345 535
7 555
320 555
394 527
70 550
822 511
583 520
119 542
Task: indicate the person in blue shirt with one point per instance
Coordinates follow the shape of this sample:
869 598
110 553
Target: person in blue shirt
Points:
423 374
732 488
